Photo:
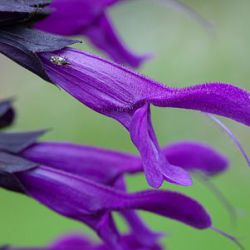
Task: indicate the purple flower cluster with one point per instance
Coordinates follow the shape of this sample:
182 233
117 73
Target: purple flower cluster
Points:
85 183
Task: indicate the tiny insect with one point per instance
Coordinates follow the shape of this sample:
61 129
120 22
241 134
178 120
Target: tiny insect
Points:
58 60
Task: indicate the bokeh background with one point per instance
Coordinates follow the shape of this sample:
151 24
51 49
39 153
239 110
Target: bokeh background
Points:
185 54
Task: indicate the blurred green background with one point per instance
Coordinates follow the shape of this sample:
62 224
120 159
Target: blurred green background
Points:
185 54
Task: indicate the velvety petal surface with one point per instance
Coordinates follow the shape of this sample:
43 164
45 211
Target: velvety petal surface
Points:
156 166
88 18
79 198
98 164
194 156
105 165
101 165
71 17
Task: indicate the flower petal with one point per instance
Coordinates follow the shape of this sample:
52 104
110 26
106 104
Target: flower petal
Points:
104 165
71 17
156 166
83 200
196 156
102 34
101 165
73 197
217 98
168 204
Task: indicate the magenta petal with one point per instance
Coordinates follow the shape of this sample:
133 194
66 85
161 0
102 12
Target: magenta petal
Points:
73 197
155 165
101 165
170 204
88 18
71 17
196 156
217 98
102 34
89 202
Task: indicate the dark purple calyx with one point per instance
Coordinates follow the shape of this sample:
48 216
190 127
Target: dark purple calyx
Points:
13 11
10 164
7 114
22 44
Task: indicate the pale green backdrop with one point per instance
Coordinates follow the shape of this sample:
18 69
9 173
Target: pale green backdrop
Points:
185 54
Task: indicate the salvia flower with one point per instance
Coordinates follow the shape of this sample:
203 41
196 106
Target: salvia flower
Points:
68 179
82 199
74 195
126 96
106 166
89 18
116 92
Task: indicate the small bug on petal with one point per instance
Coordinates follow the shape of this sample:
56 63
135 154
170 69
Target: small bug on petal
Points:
58 60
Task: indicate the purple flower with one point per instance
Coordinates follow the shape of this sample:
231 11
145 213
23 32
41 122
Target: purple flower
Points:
89 18
66 178
91 203
71 192
106 166
126 96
